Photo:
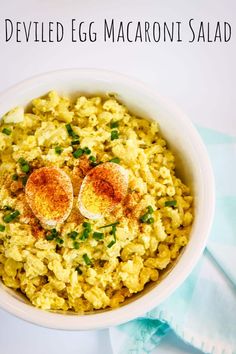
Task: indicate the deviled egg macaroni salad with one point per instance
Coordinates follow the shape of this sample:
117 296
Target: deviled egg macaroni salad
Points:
91 209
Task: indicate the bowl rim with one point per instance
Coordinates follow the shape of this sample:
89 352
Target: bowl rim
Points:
185 265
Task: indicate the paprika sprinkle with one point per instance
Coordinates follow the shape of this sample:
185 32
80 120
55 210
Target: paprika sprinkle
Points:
103 188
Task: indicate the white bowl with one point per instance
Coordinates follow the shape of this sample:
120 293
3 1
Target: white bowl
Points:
193 165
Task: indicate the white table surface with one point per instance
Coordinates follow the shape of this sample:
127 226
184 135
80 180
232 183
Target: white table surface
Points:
200 78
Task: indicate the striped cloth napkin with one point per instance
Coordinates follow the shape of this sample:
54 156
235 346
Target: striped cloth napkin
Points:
202 311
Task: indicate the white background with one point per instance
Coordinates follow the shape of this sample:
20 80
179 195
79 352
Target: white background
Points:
199 77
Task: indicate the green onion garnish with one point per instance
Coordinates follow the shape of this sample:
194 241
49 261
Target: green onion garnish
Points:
87 225
7 207
170 203
115 160
76 245
114 134
25 168
58 150
150 209
15 177
112 232
87 259
24 180
114 224
78 270
146 218
93 161
73 235
24 165
59 240
84 235
111 243
92 158
87 151
78 153
52 235
75 142
10 217
2 228
6 131
71 132
150 221
69 129
114 125
98 236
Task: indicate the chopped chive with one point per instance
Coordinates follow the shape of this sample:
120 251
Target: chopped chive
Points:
59 240
150 221
114 134
53 234
150 209
114 125
25 168
24 165
87 225
75 142
87 259
6 131
50 237
114 224
10 217
170 203
92 158
87 151
76 245
69 130
84 235
58 150
2 228
21 161
98 236
7 207
111 243
115 160
78 270
78 153
73 235
113 230
15 177
93 161
144 218
24 180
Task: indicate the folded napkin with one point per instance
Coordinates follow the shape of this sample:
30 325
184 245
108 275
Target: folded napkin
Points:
202 311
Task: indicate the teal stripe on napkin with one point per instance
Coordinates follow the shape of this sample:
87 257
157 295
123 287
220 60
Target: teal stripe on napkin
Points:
211 136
